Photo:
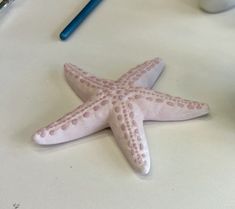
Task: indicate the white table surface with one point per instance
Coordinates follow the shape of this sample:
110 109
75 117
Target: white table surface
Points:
192 162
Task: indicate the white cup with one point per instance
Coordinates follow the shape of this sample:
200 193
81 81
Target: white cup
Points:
214 6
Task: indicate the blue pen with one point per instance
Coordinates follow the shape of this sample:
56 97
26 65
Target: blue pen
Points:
76 22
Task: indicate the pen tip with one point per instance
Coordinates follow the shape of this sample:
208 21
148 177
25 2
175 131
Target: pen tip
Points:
63 37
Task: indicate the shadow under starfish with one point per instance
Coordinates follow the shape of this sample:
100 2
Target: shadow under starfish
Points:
122 105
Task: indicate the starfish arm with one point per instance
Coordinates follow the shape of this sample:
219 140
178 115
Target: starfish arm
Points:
144 75
86 119
126 122
84 84
163 107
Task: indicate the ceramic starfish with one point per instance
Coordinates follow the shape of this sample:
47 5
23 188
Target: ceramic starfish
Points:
122 105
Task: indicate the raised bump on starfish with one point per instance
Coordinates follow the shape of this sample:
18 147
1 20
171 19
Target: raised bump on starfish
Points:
84 84
167 107
126 122
144 75
86 119
121 105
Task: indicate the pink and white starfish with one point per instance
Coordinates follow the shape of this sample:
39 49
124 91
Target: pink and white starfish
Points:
122 105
